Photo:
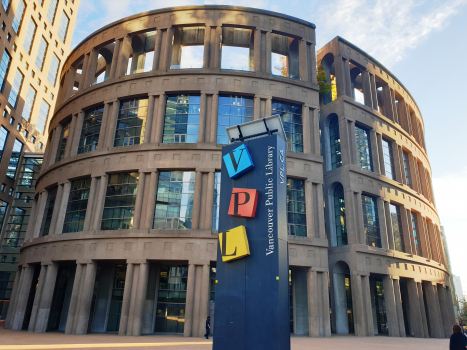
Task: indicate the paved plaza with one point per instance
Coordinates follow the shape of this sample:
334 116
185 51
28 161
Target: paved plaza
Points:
10 340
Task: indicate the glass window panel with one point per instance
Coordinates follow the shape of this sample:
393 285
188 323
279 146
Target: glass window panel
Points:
14 160
339 216
362 137
41 52
335 143
181 122
5 4
90 130
16 88
231 111
51 10
42 116
397 227
18 16
63 141
131 122
77 204
370 221
389 160
4 67
3 137
408 177
29 38
217 203
291 115
29 103
296 222
48 211
63 27
53 69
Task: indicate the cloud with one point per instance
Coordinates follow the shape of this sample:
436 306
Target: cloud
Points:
387 30
450 195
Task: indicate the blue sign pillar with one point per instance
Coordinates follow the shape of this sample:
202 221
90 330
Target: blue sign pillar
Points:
252 292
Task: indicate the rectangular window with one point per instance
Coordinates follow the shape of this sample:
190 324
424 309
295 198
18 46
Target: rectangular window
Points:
18 16
91 129
51 11
30 172
5 4
181 124
174 202
335 143
63 27
363 148
217 201
171 299
119 206
371 222
14 160
77 204
296 213
233 110
4 67
53 69
389 160
48 211
41 52
131 122
397 228
29 103
416 235
291 115
16 88
29 38
63 141
408 177
42 117
3 137
16 228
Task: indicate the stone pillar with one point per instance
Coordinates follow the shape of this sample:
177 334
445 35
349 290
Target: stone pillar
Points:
217 48
312 62
37 298
326 319
71 135
140 299
382 223
382 165
313 303
83 72
149 119
366 85
319 210
435 321
307 130
99 203
89 207
14 297
375 152
41 202
406 230
352 231
315 139
91 69
151 203
374 93
209 200
207 46
400 312
62 206
69 84
157 50
214 117
348 81
257 50
415 317
139 200
54 145
115 55
370 331
303 60
451 312
353 142
77 286
157 137
204 299
340 304
123 56
77 133
84 301
111 124
23 296
46 298
358 305
190 291
202 118
397 163
426 334
268 50
443 306
389 227
339 63
423 236
58 201
309 209
359 218
387 105
197 201
391 312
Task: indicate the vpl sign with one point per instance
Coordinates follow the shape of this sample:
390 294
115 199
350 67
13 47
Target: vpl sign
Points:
252 293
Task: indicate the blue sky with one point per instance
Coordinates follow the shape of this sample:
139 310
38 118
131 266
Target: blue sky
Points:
421 41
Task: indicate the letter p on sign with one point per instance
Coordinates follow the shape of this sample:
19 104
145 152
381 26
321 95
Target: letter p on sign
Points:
243 202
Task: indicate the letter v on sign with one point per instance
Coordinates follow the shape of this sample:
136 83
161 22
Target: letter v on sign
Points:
238 161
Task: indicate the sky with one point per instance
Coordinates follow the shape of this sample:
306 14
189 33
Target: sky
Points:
422 42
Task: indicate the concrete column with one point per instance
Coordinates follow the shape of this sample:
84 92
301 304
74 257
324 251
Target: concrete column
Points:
85 298
99 203
352 231
412 238
358 305
268 51
77 133
217 48
37 298
422 310
307 136
397 163
313 303
157 137
359 218
315 139
367 91
326 319
41 202
123 57
423 235
204 299
140 298
303 60
58 201
197 200
320 210
207 46
91 69
312 62
214 117
46 299
190 291
346 148
151 203
353 142
62 206
390 303
202 118
406 230
209 201
382 165
30 228
115 55
382 223
340 304
367 300
71 134
72 310
149 119
348 82
69 84
157 50
389 227
443 306
257 50
451 312
54 145
415 317
374 152
83 72
309 209
434 317
23 296
133 297
400 312
14 297
139 200
340 75
89 207
374 93
387 105
111 124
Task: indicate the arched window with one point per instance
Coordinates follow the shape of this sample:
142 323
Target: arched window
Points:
339 215
335 143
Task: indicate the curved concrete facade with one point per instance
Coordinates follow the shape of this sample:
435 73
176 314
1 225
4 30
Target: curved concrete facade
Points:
125 232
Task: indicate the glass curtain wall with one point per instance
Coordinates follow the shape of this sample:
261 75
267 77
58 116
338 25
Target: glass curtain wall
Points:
291 115
389 160
14 160
77 204
363 148
296 211
397 228
339 215
48 211
233 110
91 129
371 222
131 122
408 177
335 142
416 234
63 141
181 124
